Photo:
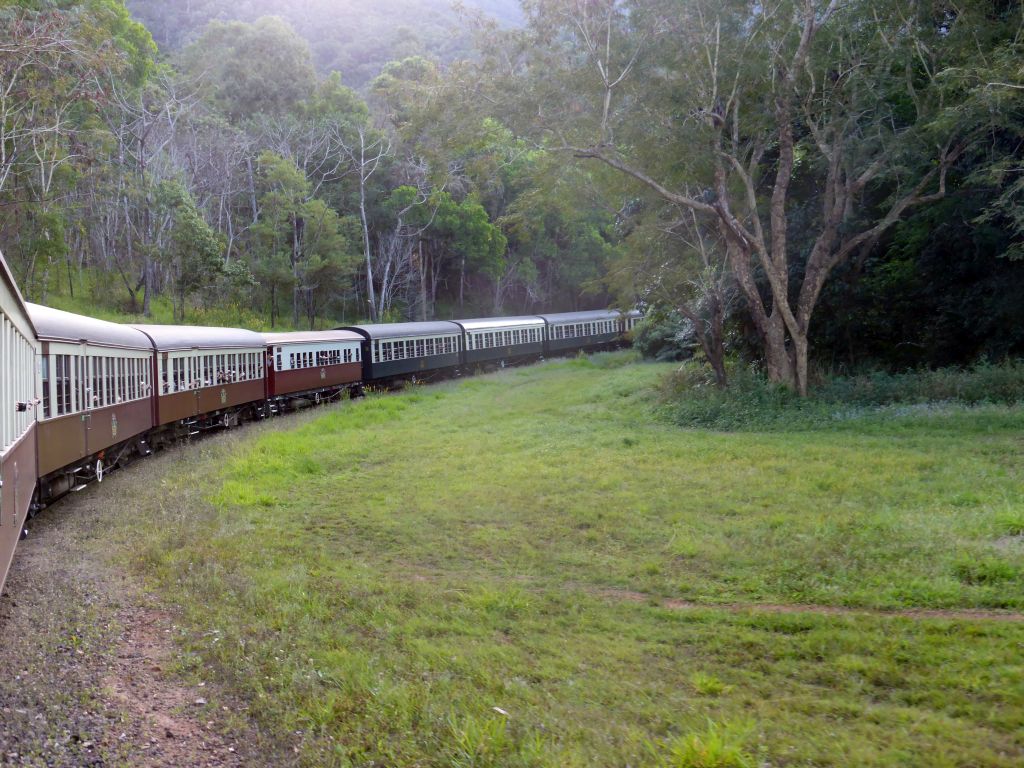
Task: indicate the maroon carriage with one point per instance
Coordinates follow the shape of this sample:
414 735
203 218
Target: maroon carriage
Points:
312 364
18 383
95 385
205 377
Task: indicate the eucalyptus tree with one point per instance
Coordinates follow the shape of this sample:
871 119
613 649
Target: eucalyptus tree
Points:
252 69
743 112
303 232
57 69
190 249
673 260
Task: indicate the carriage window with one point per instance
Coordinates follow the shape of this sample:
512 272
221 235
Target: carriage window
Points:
95 382
45 369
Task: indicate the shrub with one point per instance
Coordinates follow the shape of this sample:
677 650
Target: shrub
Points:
712 748
708 685
985 571
665 337
752 402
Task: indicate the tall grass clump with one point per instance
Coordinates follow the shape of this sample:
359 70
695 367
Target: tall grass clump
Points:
751 402
715 747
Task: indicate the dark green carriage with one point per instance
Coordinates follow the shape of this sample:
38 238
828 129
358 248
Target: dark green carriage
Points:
570 331
494 339
408 350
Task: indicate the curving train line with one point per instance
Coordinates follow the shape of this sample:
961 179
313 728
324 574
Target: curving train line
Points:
79 396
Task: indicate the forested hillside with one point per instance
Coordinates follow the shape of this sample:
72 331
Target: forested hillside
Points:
803 185
353 37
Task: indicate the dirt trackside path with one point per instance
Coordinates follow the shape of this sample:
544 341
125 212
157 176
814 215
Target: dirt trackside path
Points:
86 667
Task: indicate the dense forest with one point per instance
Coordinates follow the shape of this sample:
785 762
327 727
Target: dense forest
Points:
800 183
353 37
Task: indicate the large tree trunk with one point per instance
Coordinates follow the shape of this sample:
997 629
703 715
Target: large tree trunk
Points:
778 363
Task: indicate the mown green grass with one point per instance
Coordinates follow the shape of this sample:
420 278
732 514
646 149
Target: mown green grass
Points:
476 574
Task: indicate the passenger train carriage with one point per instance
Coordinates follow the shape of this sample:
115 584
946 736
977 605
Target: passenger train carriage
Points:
95 384
631 320
312 363
397 350
580 330
203 374
491 339
80 396
18 471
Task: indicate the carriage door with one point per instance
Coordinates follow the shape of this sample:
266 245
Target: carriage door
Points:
81 389
92 378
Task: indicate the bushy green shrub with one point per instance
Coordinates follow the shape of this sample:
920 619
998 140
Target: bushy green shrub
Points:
752 402
665 337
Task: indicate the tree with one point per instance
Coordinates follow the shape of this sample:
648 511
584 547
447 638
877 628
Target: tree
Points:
745 112
251 69
192 251
57 69
673 261
301 231
464 231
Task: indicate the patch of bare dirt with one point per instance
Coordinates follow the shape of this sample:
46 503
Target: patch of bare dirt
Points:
167 716
87 666
958 614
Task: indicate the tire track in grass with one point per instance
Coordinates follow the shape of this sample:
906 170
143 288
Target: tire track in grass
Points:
955 614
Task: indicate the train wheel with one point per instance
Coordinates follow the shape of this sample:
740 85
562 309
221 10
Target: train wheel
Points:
99 470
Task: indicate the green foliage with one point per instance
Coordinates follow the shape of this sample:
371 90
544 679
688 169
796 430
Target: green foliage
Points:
465 229
664 337
381 575
354 37
711 749
251 69
753 403
194 250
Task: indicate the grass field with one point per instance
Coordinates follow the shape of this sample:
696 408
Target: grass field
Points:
530 568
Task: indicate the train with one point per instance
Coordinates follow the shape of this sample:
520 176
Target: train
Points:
81 396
